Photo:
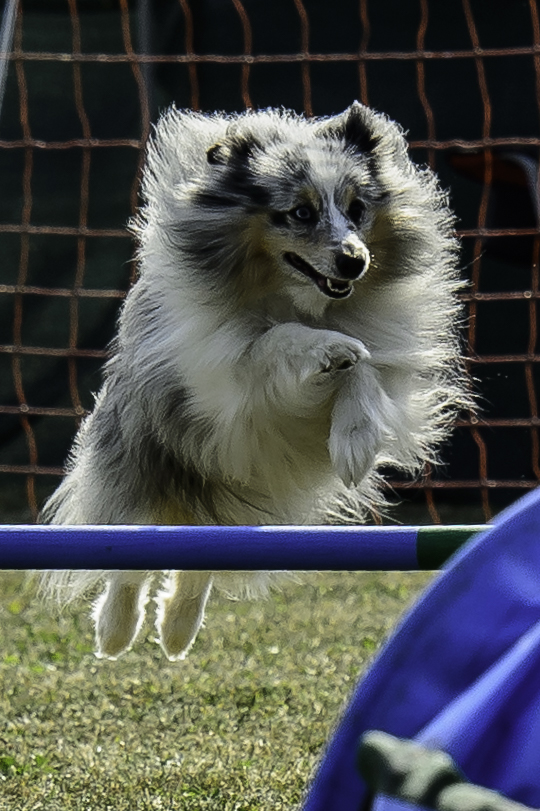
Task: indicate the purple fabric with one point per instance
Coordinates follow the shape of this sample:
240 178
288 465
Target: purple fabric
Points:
462 672
382 803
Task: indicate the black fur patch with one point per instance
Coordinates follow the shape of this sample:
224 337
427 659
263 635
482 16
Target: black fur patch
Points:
358 135
280 218
214 155
243 147
106 428
241 181
214 200
172 480
236 148
234 153
237 188
210 251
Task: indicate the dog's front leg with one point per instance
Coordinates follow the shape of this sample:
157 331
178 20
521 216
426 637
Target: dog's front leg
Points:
361 423
298 368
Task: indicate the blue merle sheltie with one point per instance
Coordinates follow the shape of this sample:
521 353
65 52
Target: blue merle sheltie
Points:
293 329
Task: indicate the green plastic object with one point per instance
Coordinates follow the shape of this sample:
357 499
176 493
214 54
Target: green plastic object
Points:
436 544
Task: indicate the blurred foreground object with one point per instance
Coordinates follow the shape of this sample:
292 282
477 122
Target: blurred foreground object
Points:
408 772
460 673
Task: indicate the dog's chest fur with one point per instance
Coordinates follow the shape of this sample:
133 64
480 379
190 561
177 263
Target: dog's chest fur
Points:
276 460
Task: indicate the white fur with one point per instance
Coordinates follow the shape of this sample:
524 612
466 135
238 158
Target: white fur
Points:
240 392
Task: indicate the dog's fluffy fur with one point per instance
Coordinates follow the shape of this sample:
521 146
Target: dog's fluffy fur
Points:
292 329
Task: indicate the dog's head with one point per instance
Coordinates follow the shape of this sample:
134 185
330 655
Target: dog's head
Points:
304 195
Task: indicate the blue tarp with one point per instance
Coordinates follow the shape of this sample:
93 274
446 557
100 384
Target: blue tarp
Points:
461 673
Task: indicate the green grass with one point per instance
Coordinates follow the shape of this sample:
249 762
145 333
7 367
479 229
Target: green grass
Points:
238 726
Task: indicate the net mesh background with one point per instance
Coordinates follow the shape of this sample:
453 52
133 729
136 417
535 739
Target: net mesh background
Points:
87 77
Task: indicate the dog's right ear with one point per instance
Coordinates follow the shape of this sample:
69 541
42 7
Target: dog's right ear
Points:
234 149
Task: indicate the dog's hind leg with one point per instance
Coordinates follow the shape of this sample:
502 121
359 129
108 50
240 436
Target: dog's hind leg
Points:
180 614
119 612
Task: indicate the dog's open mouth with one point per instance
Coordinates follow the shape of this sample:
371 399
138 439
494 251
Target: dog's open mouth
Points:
333 288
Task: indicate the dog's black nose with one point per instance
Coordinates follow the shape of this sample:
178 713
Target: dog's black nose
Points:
350 267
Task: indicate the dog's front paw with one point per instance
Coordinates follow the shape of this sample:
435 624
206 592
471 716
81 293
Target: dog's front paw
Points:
300 367
341 354
336 354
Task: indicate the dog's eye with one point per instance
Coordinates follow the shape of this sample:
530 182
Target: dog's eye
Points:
356 211
303 213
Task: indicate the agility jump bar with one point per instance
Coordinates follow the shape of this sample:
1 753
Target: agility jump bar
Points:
218 548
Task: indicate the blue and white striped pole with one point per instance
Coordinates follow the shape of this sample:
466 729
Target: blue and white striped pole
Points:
317 548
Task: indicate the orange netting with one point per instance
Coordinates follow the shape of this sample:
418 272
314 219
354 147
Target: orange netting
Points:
482 156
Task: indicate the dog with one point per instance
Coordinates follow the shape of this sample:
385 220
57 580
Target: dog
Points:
293 329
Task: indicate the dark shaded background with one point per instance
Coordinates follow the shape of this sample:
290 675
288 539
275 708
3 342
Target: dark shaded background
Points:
71 134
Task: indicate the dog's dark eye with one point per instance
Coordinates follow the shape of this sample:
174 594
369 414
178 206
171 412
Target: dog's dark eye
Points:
356 211
303 213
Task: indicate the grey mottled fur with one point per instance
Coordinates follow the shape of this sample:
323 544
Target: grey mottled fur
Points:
292 329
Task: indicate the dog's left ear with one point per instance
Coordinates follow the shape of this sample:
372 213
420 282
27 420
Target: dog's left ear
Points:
233 149
355 127
215 155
